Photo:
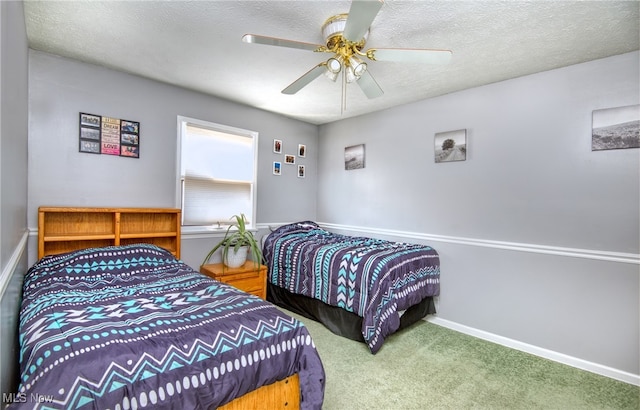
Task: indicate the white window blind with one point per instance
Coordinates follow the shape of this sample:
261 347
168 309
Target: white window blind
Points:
217 173
229 199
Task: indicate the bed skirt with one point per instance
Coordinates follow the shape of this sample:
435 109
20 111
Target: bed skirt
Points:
338 320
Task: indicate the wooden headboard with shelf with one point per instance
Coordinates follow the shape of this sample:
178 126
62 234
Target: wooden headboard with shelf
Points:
64 229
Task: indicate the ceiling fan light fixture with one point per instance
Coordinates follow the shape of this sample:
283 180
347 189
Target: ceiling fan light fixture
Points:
331 75
350 74
358 66
334 66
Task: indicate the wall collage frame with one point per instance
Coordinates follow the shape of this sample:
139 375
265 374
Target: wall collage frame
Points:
289 159
110 136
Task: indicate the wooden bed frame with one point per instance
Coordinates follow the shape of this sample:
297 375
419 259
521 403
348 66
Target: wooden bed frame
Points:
66 229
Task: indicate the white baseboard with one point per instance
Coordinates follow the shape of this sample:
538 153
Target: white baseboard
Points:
538 351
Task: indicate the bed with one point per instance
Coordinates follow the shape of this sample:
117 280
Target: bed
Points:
361 288
132 326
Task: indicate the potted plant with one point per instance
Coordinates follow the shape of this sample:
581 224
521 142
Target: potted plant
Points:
236 244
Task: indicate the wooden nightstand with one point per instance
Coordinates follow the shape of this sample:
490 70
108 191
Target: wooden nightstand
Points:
250 277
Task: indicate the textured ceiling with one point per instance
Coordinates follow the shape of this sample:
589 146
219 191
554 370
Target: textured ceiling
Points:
197 45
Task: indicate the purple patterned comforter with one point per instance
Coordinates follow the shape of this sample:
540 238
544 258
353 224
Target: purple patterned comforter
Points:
133 327
373 278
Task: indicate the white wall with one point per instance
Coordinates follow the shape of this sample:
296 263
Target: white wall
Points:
13 183
538 235
59 175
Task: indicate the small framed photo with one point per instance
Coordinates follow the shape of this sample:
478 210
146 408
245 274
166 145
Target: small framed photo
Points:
129 151
277 168
277 146
89 120
92 147
290 159
302 150
130 139
130 127
354 157
90 133
615 128
300 171
451 146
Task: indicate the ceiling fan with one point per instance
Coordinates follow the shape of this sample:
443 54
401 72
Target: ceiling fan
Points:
345 37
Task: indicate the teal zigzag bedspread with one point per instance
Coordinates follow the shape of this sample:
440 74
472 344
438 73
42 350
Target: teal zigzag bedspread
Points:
373 278
132 327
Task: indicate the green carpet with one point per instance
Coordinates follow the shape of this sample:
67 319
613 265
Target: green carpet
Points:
427 366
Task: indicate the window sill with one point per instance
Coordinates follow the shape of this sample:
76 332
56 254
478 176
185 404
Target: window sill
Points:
195 232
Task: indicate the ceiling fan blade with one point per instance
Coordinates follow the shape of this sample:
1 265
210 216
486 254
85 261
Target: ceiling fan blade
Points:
410 55
280 42
369 86
306 78
361 15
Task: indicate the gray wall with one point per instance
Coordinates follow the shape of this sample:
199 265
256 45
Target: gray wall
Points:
13 182
538 235
59 175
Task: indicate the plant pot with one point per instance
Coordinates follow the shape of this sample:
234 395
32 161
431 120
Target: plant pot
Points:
235 259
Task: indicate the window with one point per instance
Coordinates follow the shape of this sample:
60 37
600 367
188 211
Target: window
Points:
217 167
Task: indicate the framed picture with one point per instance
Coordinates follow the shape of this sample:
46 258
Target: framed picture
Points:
290 159
111 136
90 133
302 150
277 168
616 128
89 120
130 139
131 127
277 146
92 147
300 171
354 157
451 146
129 151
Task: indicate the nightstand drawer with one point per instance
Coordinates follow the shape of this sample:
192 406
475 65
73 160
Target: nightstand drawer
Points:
248 284
250 278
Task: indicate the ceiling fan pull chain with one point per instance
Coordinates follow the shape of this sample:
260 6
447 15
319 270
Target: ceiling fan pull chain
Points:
343 106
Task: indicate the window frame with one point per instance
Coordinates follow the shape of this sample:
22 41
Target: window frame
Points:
183 122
